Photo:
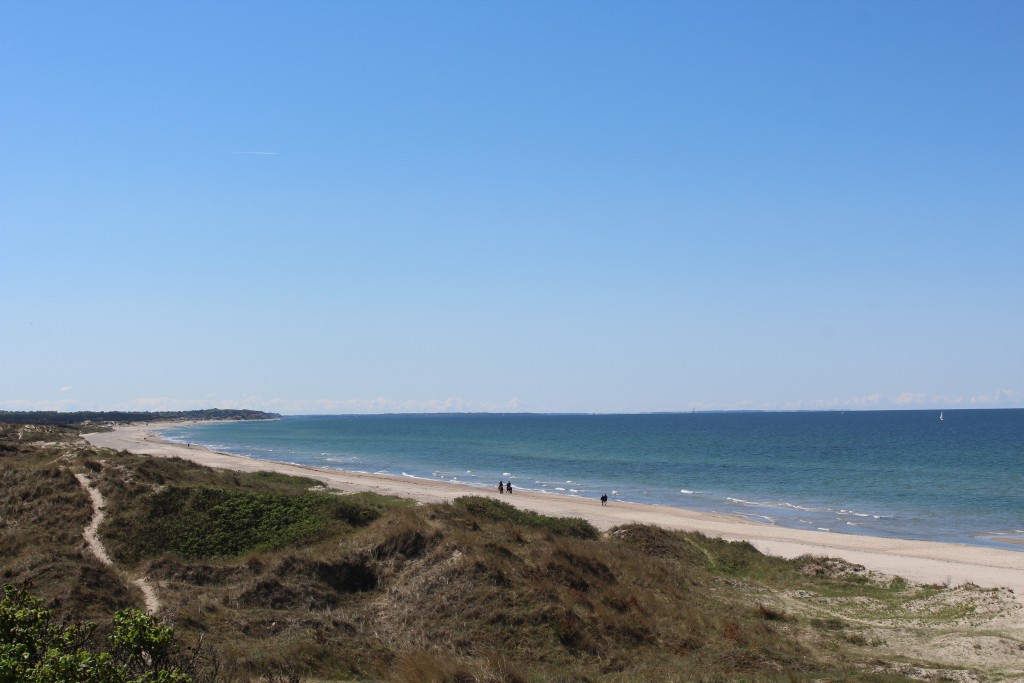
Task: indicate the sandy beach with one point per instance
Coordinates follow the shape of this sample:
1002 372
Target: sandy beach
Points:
920 561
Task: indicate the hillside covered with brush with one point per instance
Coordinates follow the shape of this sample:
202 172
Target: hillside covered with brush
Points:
281 578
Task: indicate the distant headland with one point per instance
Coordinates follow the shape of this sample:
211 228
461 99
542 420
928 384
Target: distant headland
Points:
53 417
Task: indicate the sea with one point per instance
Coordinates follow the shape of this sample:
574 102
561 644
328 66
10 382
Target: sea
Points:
953 475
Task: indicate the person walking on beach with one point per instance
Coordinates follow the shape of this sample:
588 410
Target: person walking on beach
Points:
508 486
501 487
604 499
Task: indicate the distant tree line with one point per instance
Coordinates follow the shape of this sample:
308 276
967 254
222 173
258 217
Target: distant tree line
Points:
52 417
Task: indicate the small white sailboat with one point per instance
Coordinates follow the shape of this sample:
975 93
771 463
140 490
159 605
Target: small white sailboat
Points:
941 418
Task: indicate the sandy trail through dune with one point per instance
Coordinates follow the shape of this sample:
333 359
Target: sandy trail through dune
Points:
92 539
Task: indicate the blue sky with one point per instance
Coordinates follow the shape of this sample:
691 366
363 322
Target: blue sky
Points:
329 207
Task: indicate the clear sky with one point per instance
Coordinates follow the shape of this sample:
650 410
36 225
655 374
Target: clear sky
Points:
331 207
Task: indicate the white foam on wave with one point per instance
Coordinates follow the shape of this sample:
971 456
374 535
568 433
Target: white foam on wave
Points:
414 476
754 503
842 512
766 504
686 491
770 520
856 514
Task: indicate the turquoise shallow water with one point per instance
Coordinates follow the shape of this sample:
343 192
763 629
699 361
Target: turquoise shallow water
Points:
904 474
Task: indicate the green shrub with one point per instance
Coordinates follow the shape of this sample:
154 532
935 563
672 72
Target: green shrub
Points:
200 523
497 511
35 649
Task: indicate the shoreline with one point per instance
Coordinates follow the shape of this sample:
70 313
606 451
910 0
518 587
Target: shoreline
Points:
927 562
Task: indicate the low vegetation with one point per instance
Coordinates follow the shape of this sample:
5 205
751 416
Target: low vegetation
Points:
497 511
288 581
53 417
202 523
37 648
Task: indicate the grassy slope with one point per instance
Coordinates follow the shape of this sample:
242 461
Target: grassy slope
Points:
369 588
42 513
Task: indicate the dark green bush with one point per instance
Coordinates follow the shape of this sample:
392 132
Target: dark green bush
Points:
201 523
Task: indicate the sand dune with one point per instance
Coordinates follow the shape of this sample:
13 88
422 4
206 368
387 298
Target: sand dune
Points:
920 561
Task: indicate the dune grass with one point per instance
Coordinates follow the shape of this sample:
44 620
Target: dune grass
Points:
290 581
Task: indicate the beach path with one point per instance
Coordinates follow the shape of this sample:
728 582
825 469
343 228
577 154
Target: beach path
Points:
92 539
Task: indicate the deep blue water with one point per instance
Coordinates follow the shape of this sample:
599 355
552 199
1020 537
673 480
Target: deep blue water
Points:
886 473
